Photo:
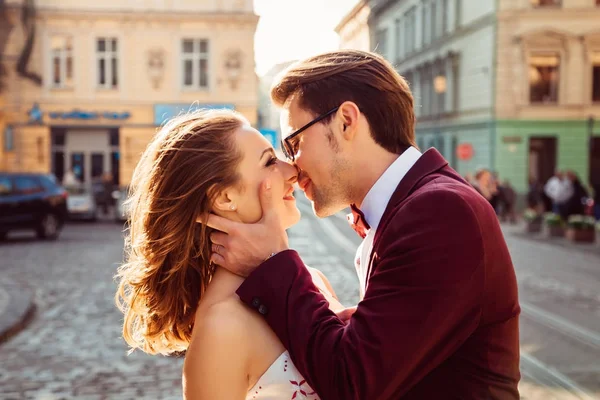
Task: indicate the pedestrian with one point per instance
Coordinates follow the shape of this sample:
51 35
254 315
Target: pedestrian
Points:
559 188
575 204
438 316
509 198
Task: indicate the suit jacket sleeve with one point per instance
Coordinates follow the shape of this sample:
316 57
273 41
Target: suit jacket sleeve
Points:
422 302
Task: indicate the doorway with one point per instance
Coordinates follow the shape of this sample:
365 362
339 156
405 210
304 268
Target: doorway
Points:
542 158
595 160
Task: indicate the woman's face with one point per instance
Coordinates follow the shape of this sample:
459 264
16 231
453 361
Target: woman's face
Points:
259 163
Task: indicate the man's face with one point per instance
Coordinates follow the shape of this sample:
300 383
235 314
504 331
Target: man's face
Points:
324 170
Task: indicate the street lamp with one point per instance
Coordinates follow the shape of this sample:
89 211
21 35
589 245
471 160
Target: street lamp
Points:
440 87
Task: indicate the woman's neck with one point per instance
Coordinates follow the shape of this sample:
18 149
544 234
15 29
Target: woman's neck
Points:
222 285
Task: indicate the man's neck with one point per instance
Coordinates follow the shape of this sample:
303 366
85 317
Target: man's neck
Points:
369 169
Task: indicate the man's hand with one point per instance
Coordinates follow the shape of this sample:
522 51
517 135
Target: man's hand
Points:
345 314
240 247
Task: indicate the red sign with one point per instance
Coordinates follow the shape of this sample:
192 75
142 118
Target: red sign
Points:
464 151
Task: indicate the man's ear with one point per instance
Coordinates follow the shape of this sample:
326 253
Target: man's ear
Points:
349 113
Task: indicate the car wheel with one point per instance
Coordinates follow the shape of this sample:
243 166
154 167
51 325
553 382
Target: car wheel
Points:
49 227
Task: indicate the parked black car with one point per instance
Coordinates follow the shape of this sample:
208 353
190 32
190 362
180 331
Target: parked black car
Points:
32 202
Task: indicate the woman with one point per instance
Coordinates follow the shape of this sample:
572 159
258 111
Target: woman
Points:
173 298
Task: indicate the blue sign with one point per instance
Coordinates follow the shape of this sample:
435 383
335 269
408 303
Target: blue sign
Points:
35 114
164 112
271 136
89 115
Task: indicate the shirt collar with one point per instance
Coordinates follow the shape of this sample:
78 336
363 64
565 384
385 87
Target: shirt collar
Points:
378 197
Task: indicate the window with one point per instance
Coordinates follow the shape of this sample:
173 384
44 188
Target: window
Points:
381 44
398 36
545 3
544 78
195 63
596 77
9 139
434 21
444 16
61 54
27 185
425 24
5 186
440 88
107 62
409 30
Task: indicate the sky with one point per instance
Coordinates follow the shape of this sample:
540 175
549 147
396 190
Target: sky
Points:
295 29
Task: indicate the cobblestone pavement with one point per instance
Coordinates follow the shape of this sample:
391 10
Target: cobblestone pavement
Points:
73 348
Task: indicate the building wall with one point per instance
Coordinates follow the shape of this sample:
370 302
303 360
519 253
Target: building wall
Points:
571 31
354 28
146 31
513 155
464 54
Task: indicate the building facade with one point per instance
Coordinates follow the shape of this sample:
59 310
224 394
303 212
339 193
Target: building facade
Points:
510 85
89 83
444 48
548 89
268 113
353 29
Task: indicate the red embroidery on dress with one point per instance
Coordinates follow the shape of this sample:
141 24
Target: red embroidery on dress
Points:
300 390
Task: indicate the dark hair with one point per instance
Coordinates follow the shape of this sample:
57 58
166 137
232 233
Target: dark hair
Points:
327 80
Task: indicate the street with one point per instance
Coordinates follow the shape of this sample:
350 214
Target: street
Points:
72 347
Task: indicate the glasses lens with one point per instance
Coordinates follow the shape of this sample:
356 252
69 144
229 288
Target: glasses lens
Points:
284 148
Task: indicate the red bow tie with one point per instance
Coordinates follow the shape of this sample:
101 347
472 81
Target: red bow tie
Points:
357 221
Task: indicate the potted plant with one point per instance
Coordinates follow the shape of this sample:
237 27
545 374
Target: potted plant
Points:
580 228
555 224
533 221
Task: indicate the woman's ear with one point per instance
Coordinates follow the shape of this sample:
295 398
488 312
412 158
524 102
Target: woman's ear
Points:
224 202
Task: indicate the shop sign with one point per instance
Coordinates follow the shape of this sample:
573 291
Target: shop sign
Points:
36 115
464 151
90 115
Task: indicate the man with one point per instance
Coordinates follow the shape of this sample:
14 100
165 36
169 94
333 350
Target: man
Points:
439 312
559 189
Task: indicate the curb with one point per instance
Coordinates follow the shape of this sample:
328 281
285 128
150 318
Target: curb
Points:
17 310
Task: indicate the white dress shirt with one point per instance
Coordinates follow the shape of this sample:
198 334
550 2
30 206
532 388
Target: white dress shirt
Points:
374 205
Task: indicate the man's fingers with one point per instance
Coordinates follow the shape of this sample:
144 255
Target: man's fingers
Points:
218 238
217 222
266 198
219 249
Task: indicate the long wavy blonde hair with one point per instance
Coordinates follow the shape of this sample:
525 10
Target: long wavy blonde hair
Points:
167 266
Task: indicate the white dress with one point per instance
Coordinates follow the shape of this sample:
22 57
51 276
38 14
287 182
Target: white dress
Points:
282 381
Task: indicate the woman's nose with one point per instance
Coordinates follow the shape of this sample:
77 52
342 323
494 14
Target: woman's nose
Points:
290 172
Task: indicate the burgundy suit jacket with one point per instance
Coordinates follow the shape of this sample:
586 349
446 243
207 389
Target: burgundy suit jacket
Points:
439 319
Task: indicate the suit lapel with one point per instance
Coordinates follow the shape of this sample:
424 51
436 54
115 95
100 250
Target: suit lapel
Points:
431 161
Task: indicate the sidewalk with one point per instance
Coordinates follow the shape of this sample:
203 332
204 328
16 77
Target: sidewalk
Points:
518 230
16 308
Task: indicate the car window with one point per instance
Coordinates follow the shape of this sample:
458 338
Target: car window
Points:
27 185
48 182
5 186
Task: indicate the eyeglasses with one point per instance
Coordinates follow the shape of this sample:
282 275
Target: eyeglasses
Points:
289 150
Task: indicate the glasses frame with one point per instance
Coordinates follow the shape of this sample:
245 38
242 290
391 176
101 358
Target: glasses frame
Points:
286 147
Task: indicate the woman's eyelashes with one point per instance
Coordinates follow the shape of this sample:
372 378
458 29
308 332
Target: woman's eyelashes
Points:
272 161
